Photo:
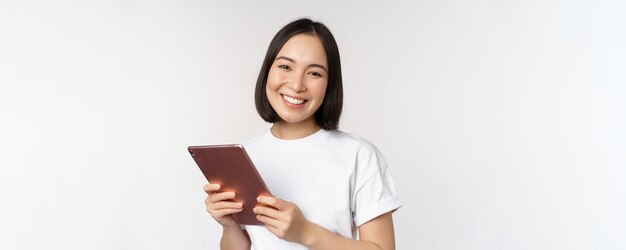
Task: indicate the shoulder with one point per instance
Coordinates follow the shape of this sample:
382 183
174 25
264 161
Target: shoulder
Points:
348 139
362 145
253 140
255 144
368 162
365 154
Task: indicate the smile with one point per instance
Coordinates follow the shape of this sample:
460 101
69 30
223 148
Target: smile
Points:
292 100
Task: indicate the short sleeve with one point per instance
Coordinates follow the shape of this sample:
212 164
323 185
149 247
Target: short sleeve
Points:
374 191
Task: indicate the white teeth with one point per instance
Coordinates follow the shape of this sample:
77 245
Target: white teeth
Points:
292 100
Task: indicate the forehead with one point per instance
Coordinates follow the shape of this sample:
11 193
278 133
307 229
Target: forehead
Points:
307 48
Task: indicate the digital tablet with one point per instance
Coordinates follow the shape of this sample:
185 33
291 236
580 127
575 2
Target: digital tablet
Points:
231 167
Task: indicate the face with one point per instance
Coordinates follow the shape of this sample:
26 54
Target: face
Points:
297 79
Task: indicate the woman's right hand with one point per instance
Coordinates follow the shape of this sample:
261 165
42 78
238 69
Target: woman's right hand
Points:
219 206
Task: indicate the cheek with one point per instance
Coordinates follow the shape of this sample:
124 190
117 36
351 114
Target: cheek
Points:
319 90
270 83
274 79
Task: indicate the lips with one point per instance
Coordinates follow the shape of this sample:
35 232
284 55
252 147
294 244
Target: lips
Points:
293 100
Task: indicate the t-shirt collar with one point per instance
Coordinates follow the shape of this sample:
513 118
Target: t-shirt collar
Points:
297 144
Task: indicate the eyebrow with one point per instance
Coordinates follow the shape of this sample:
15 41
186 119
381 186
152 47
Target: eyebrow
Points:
310 65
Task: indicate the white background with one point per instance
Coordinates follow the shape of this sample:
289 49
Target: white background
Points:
504 122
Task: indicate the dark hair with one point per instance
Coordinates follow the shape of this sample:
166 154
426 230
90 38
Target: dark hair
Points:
327 115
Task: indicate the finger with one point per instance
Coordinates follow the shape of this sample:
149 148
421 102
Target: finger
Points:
268 221
272 201
223 212
209 188
212 187
217 197
268 211
226 205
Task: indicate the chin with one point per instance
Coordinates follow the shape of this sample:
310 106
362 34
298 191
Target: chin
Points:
291 119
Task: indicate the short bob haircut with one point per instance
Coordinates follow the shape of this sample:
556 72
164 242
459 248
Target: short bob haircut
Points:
327 115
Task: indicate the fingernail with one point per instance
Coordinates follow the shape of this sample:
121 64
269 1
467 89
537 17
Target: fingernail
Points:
258 198
240 205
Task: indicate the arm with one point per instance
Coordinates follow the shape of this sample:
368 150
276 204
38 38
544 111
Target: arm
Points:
234 238
220 208
374 234
285 220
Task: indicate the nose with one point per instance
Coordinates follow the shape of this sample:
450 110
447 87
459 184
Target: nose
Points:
297 83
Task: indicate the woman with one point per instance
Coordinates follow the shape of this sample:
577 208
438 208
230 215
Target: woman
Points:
328 184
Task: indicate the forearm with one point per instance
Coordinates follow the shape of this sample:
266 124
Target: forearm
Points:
234 238
321 238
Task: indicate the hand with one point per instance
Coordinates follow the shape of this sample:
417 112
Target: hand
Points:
219 207
284 219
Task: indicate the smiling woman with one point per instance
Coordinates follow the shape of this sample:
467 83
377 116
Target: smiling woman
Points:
323 54
297 81
328 184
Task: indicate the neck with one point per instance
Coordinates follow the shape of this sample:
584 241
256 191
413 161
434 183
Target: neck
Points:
292 131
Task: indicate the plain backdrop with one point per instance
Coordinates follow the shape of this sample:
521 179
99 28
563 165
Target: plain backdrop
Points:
504 122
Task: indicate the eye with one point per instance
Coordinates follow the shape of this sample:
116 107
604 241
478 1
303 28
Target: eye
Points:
315 74
285 67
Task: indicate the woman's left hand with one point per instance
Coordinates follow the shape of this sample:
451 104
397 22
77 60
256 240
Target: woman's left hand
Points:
284 219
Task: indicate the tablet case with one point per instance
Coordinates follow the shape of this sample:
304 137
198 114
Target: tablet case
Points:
231 167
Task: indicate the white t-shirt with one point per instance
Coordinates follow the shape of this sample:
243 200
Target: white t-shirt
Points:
338 180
